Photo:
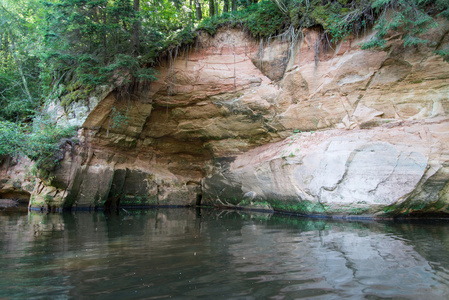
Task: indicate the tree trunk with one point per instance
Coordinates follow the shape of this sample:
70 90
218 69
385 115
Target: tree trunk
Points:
234 5
211 8
226 6
24 81
105 38
136 28
190 12
199 13
19 67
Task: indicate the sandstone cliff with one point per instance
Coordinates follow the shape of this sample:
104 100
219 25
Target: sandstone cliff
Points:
311 128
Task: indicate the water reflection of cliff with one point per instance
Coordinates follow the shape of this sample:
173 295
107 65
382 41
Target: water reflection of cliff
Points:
195 253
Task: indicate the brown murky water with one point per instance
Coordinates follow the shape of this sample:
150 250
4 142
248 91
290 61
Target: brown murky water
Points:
210 254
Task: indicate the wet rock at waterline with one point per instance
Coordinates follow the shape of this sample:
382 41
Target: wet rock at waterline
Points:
231 122
390 170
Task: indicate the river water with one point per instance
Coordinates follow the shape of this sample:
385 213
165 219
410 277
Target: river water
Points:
213 254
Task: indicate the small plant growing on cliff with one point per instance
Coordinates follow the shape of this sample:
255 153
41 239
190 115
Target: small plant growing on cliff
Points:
45 145
410 18
118 118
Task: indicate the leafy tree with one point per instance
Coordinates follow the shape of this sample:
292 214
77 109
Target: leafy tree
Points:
89 41
262 20
211 8
24 82
234 5
20 84
408 16
339 18
136 28
225 6
11 139
199 12
44 145
411 18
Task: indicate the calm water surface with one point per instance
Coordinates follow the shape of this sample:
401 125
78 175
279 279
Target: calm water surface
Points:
209 254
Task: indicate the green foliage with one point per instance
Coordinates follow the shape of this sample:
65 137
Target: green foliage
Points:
410 18
375 42
176 39
210 25
164 17
72 96
301 207
444 53
20 84
98 42
265 19
42 145
262 20
95 42
44 140
339 18
12 139
118 118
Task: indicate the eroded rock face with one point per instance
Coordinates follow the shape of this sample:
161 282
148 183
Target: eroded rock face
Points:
219 127
16 179
379 171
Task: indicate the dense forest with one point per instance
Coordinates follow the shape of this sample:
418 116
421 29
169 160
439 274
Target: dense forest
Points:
66 49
